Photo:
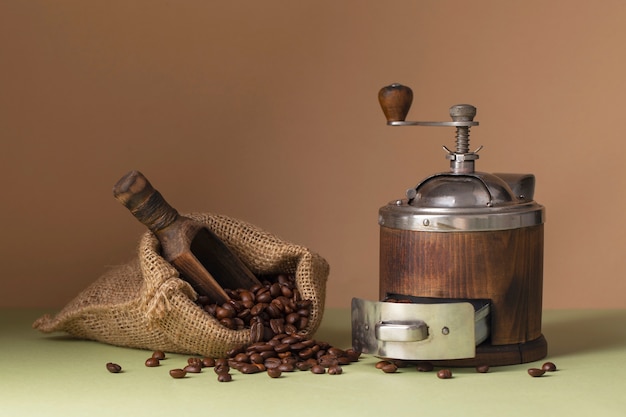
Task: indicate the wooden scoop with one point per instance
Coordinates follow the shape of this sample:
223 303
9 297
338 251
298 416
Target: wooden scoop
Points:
190 246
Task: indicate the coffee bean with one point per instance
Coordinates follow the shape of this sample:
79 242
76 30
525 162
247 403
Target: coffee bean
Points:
549 367
380 364
335 370
113 368
483 369
389 368
318 369
221 369
224 377
274 372
353 355
536 372
152 362
208 362
177 373
249 368
193 369
158 354
444 374
424 367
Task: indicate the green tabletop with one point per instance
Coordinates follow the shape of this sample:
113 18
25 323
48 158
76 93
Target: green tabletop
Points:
48 375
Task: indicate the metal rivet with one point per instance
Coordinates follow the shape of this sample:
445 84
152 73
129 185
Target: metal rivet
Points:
445 331
398 202
426 222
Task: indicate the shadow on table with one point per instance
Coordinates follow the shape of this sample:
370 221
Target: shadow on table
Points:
585 332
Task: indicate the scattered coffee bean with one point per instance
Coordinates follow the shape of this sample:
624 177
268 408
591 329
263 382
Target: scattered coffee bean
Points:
389 368
425 367
224 377
193 369
177 373
483 369
318 369
221 369
536 372
158 354
444 374
274 372
113 368
549 367
380 364
335 370
152 362
208 362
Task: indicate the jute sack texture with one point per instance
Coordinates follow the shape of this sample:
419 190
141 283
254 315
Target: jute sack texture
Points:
145 304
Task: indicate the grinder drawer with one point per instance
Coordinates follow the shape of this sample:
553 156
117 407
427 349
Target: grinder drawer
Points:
420 328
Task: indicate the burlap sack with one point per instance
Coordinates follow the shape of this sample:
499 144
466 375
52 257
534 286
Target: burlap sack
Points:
144 304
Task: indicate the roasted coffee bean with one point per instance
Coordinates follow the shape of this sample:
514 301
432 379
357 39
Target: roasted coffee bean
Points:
536 372
335 370
277 325
272 363
242 357
318 369
303 365
548 367
221 369
177 373
444 374
113 368
246 296
327 361
224 377
292 318
249 368
483 369
343 360
353 355
290 329
208 362
286 367
222 313
256 332
152 362
336 352
158 354
194 361
258 308
389 368
274 372
380 364
264 297
228 323
193 369
275 290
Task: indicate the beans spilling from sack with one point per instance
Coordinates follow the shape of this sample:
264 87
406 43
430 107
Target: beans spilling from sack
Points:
277 316
274 307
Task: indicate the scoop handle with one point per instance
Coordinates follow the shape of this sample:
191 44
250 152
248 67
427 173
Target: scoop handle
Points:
135 192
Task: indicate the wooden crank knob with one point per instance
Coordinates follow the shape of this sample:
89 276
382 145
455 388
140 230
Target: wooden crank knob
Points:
395 100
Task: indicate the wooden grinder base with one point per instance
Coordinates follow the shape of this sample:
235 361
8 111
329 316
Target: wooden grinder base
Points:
500 355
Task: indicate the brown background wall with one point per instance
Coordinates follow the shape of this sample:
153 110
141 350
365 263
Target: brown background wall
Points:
267 111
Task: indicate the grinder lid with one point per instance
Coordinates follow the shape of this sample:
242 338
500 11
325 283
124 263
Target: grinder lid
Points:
449 202
462 199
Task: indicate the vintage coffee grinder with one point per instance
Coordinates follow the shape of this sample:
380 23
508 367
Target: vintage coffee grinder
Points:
461 261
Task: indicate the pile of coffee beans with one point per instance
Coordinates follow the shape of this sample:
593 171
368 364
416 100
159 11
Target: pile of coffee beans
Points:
277 318
268 309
